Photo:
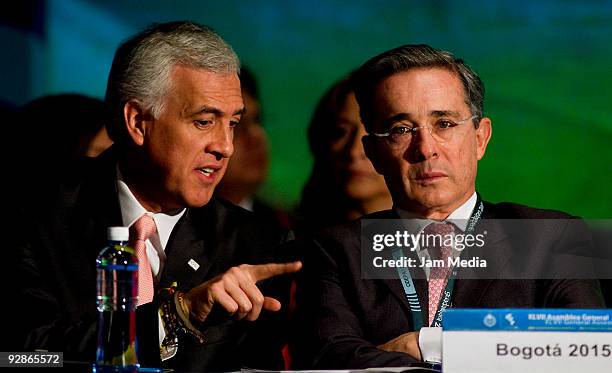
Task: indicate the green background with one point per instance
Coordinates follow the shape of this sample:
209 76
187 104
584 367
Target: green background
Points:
546 65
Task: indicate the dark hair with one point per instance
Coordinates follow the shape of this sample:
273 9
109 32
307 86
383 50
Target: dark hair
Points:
58 134
320 130
319 192
142 66
407 57
248 82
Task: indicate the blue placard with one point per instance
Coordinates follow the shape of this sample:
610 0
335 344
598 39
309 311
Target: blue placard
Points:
528 319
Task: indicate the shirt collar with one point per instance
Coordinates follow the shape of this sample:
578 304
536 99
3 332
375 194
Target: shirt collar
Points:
247 203
462 214
459 217
131 210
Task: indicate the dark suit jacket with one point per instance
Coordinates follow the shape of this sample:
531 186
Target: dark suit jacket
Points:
343 317
53 253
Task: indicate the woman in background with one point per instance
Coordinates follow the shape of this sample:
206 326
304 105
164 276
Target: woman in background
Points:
343 184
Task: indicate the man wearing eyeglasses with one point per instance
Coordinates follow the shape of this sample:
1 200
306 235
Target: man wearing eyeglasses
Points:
423 111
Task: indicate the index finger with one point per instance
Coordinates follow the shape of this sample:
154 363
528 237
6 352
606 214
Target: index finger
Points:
264 271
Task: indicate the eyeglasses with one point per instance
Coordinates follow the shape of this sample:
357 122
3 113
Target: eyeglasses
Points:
442 130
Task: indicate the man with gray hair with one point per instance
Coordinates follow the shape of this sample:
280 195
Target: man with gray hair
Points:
423 112
209 298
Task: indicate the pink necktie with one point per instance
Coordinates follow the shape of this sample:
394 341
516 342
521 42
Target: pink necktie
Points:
140 231
438 276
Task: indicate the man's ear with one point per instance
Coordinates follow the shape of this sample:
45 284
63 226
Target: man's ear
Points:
133 116
483 135
369 147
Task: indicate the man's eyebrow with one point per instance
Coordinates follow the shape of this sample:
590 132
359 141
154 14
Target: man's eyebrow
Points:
217 112
444 113
396 118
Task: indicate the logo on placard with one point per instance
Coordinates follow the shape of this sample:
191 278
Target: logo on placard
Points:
510 319
489 320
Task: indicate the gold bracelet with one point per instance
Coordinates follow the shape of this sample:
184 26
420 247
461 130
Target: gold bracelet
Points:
181 301
183 316
175 317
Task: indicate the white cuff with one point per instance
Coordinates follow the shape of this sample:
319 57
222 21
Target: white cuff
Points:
164 352
430 343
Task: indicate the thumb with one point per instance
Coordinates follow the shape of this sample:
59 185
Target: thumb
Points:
271 304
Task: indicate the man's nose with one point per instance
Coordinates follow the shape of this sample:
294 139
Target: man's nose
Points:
222 144
423 145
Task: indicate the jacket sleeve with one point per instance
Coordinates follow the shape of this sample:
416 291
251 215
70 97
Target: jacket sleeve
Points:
328 330
44 315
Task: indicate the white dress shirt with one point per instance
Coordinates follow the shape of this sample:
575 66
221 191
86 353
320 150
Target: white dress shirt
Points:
132 210
430 338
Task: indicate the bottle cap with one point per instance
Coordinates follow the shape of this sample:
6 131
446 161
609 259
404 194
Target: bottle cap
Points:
118 233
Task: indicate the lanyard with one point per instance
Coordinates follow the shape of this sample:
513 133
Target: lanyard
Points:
445 300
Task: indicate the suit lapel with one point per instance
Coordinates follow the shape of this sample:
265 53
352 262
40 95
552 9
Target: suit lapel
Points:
194 251
418 278
186 259
102 199
497 251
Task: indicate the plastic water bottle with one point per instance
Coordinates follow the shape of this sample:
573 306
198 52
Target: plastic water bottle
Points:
117 267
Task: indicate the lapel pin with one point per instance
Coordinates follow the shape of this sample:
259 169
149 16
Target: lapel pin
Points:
193 264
